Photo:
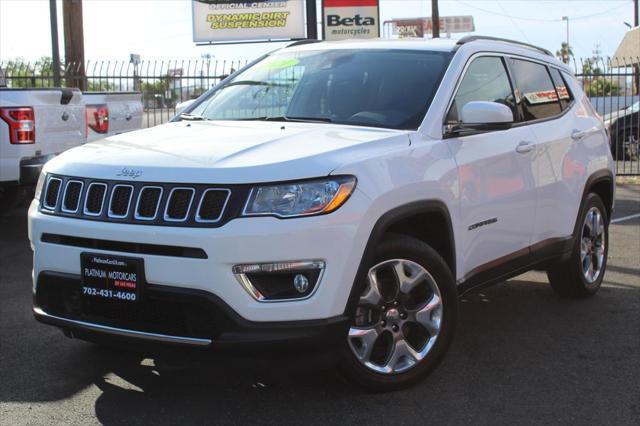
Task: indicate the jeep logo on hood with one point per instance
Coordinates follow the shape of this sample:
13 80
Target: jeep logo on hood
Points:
131 173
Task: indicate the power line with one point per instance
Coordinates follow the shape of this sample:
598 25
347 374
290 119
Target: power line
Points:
573 18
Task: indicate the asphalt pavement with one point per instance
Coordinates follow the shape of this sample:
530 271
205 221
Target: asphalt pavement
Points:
521 356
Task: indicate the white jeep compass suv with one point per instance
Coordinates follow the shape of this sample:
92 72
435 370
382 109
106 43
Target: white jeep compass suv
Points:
339 195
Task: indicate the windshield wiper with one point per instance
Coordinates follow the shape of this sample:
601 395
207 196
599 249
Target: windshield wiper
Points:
293 119
192 117
252 83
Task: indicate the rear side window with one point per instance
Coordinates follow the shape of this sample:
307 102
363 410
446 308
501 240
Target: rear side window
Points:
537 95
486 79
561 88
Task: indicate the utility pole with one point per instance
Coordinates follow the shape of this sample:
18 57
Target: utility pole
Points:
74 43
435 19
635 13
567 56
312 20
55 50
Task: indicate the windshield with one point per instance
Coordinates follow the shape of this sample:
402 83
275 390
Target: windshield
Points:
381 88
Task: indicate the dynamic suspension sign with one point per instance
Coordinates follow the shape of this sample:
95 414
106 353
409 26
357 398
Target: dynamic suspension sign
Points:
237 21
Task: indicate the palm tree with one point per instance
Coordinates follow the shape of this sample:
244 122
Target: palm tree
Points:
564 53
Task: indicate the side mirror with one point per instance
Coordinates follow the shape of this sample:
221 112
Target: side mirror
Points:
479 115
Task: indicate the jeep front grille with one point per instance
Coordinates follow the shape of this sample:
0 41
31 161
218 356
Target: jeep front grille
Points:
138 202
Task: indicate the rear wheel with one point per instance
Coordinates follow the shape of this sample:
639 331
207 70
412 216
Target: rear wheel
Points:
405 317
582 273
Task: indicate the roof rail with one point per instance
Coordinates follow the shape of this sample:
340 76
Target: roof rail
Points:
301 42
469 39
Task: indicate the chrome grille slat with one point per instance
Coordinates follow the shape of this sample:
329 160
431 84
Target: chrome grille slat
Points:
95 196
52 194
148 203
207 207
120 199
143 203
178 208
71 196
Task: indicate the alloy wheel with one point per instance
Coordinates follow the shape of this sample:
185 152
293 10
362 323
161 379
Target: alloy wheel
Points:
592 245
398 317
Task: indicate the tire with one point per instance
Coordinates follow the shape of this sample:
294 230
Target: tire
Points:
571 277
626 146
430 309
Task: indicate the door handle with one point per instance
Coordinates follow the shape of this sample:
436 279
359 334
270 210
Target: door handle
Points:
577 135
128 117
524 147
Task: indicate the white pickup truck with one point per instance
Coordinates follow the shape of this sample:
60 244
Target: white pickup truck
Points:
112 113
37 124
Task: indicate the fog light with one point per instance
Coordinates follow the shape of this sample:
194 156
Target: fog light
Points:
301 283
280 282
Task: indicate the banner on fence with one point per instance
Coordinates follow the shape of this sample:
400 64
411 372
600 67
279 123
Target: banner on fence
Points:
257 20
344 19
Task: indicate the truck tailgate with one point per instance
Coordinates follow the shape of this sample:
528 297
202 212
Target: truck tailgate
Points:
124 112
60 123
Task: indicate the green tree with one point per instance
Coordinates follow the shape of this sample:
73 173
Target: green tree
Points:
565 53
20 73
601 86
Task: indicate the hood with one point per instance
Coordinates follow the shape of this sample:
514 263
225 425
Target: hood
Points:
226 152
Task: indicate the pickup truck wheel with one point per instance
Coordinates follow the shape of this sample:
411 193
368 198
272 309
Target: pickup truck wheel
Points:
582 273
405 317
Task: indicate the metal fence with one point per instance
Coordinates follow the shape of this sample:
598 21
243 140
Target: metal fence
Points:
611 85
163 84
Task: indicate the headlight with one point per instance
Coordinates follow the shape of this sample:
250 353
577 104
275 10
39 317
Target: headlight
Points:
41 180
300 198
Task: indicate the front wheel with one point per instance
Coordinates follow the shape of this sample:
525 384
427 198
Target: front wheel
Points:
405 317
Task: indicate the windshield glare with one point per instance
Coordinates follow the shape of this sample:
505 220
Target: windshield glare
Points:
381 88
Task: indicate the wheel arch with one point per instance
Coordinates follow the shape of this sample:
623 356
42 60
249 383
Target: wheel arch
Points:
402 220
602 183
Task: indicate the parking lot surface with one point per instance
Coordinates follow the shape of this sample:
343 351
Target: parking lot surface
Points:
521 355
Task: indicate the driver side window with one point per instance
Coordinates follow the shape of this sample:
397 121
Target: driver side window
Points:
486 79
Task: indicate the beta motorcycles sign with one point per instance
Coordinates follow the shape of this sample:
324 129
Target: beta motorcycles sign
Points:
344 19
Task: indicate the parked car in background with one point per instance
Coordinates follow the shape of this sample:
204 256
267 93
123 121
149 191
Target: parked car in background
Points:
112 113
624 131
35 126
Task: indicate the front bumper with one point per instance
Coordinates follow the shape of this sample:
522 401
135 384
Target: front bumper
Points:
179 317
337 239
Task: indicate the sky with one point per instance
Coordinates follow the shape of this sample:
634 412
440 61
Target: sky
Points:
161 29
